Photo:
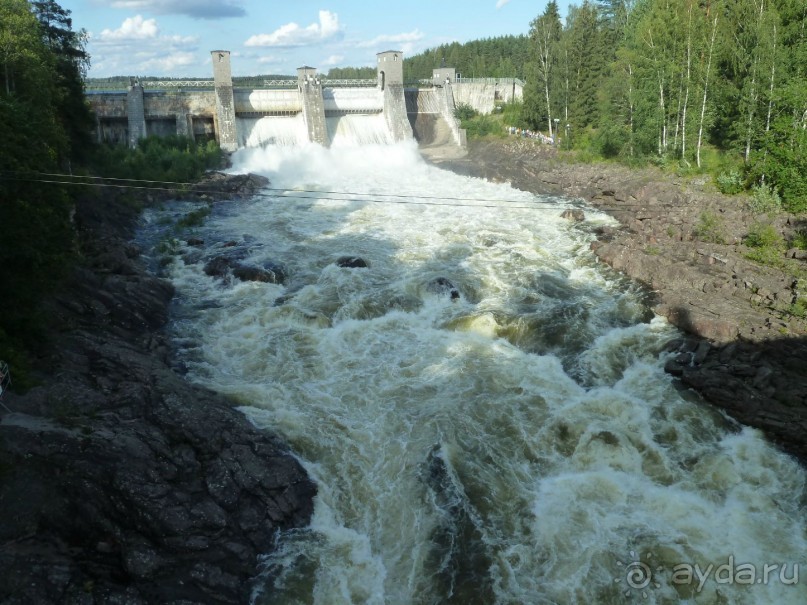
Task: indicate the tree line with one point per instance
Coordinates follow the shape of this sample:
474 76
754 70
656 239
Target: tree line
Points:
676 79
717 85
46 128
499 57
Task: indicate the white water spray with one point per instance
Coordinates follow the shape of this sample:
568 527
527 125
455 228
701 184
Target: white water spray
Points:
519 445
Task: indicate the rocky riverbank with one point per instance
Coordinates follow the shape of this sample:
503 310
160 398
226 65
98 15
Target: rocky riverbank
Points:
746 350
119 481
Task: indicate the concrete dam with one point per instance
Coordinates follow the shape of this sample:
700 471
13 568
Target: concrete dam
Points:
297 111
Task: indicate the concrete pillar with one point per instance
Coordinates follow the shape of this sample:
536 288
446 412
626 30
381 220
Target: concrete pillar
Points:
136 112
184 128
310 87
225 103
390 79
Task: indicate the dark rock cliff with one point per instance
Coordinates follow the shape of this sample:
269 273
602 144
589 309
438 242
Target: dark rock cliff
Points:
119 481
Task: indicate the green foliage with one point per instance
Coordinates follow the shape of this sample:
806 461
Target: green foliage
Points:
482 125
464 112
37 244
692 85
766 245
194 218
764 199
352 73
512 114
729 183
763 235
174 159
799 308
710 228
501 57
799 240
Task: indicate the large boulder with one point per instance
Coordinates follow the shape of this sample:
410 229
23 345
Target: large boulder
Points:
351 262
442 286
269 273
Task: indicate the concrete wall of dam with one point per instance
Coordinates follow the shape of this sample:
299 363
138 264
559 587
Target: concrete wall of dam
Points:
220 110
484 94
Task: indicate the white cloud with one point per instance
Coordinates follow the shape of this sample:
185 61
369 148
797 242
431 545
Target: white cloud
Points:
292 34
133 28
501 3
268 60
333 60
139 47
410 37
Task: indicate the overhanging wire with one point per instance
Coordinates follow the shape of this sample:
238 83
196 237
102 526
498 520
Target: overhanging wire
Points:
184 187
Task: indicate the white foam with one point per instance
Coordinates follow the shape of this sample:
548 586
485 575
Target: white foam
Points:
407 407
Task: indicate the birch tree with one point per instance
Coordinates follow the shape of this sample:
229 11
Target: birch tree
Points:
545 42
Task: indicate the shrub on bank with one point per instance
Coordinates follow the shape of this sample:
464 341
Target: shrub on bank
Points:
764 198
710 228
766 244
174 159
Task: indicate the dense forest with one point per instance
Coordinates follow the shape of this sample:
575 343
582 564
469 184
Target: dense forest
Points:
667 78
45 129
693 82
501 57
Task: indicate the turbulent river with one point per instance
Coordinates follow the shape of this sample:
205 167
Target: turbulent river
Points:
518 444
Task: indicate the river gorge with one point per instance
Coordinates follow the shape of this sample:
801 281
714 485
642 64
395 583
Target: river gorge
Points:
482 404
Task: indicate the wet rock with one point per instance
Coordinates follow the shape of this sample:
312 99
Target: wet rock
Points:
351 262
270 273
217 267
221 186
699 356
195 241
443 286
573 214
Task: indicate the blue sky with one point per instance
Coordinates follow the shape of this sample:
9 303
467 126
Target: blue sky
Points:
175 37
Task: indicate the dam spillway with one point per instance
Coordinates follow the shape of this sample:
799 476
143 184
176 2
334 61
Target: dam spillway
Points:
223 111
229 114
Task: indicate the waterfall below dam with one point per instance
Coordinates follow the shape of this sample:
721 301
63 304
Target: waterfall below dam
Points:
519 443
284 131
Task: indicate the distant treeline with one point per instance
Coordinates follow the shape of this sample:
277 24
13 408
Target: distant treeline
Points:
500 57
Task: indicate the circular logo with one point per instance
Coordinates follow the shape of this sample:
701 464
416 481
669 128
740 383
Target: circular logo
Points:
638 574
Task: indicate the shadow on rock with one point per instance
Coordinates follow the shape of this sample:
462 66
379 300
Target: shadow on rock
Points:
760 384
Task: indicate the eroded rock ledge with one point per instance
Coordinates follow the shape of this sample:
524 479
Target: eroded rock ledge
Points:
747 354
121 482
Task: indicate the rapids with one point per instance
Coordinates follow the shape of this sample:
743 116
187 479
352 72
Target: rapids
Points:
521 444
